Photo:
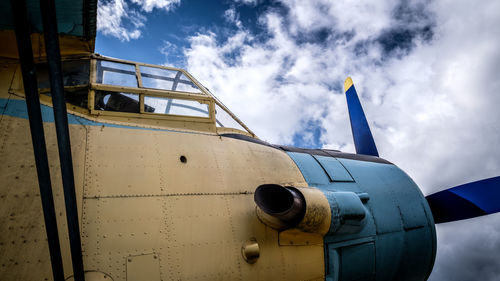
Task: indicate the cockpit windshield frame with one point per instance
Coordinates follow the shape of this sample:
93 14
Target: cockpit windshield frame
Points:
193 110
142 92
137 93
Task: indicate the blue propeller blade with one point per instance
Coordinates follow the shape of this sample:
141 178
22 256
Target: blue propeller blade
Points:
363 139
466 201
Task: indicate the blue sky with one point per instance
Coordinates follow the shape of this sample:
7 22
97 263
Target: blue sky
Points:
426 71
163 26
175 25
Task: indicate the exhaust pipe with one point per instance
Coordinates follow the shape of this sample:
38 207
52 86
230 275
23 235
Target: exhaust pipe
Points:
285 204
284 207
310 209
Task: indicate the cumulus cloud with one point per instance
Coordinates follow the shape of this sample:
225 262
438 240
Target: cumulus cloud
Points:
149 5
254 74
248 2
172 53
232 16
427 74
119 19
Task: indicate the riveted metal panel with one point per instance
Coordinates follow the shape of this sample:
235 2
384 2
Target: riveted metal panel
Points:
23 245
333 168
116 228
195 215
408 196
245 225
417 252
19 201
396 221
296 237
310 168
243 165
389 248
274 263
388 183
383 203
195 236
143 267
199 174
152 164
357 262
110 153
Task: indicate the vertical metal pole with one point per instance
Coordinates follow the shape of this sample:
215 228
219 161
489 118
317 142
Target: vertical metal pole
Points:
48 10
23 39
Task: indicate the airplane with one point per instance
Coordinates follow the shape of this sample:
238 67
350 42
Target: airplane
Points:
160 181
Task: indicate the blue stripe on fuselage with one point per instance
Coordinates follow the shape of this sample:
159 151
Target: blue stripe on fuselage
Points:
17 108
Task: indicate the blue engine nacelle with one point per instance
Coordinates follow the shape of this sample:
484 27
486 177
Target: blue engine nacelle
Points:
381 226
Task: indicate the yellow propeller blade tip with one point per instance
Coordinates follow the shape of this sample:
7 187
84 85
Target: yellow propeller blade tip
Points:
347 84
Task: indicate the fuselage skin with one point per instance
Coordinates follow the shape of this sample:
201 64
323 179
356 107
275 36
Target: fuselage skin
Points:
145 212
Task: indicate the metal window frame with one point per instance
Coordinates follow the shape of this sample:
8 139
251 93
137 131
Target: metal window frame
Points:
205 97
202 98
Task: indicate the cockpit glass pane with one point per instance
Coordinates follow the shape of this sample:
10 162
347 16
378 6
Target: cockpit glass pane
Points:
185 85
75 72
166 79
114 73
155 71
225 120
157 78
115 101
163 105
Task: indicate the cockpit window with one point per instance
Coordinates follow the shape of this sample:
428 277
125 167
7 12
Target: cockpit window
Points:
166 79
119 102
76 74
163 105
156 92
118 74
224 120
138 76
185 85
77 96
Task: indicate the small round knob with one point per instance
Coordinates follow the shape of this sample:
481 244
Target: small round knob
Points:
250 250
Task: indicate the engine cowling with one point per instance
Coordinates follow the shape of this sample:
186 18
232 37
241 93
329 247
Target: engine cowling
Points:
310 209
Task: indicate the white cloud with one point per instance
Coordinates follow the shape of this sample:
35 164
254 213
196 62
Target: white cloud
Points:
118 19
232 16
149 5
248 2
365 17
427 74
253 75
110 17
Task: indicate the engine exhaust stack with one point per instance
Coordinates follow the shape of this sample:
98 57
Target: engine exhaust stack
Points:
285 204
284 207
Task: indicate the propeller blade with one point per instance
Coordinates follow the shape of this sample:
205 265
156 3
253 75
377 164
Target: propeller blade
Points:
363 139
466 201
